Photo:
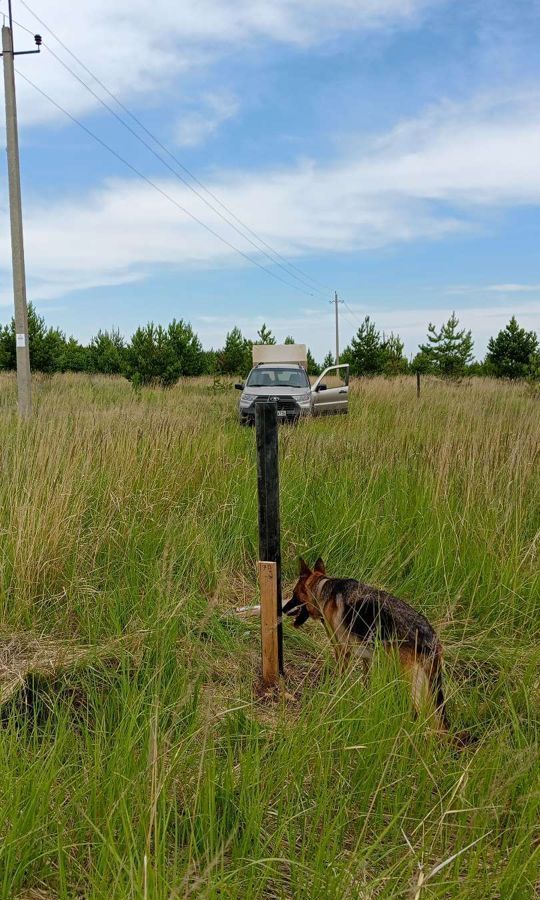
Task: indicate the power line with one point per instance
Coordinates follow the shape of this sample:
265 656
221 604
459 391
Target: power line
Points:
353 314
160 190
170 168
286 265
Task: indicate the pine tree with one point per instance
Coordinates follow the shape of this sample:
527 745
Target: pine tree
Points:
509 354
393 361
265 335
289 340
422 364
313 368
328 361
185 347
365 354
107 352
46 344
448 350
235 358
74 357
149 358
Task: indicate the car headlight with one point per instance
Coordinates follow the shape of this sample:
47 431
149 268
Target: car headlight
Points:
248 398
304 398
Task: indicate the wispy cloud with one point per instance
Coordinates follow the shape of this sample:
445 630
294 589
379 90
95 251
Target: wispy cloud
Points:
195 126
153 46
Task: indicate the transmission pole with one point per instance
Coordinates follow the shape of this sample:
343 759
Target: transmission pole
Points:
22 347
337 301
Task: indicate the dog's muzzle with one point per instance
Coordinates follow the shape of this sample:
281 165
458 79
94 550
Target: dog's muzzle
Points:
290 606
293 607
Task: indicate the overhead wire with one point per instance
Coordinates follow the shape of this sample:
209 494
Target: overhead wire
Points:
276 258
159 189
351 312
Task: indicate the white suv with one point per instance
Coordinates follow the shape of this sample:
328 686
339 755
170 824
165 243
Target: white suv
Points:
289 385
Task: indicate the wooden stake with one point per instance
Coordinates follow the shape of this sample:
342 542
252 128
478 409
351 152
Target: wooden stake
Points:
418 385
269 621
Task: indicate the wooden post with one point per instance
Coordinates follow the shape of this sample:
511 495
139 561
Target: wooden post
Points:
269 622
418 385
266 425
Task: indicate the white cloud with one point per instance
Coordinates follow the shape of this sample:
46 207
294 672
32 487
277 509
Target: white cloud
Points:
441 174
142 49
195 126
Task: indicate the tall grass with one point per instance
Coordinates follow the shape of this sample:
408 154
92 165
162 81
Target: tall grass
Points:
167 775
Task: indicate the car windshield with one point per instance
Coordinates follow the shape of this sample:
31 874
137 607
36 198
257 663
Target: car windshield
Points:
278 377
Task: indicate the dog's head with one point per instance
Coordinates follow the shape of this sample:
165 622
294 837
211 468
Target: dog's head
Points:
302 604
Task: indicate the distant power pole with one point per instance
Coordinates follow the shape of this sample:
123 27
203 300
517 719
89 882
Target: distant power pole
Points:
22 347
337 301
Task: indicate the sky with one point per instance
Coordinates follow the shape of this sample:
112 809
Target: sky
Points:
386 149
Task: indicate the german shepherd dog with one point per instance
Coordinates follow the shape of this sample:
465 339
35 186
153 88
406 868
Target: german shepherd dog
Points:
355 615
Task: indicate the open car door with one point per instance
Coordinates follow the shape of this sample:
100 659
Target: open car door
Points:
331 391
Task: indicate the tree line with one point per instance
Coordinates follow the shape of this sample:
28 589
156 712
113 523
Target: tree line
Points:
161 355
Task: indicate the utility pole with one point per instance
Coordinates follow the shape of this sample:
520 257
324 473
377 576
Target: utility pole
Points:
337 301
22 347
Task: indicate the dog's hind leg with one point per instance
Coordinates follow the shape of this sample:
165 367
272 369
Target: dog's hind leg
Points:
413 667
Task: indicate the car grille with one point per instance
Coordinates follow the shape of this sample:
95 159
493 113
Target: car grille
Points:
285 403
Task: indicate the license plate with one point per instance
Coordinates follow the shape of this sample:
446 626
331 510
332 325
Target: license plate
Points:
281 414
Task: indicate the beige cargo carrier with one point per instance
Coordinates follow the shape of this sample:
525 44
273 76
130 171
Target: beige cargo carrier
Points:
295 354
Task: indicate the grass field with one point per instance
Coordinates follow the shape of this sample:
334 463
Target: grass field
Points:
154 768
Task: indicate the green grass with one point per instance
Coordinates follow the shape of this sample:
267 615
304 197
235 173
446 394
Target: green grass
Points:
133 517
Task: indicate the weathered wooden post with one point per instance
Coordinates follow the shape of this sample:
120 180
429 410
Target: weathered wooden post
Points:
418 385
266 426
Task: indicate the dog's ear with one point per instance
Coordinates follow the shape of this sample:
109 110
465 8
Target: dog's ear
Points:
304 568
320 567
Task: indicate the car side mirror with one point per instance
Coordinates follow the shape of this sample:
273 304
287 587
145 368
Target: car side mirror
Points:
239 386
321 387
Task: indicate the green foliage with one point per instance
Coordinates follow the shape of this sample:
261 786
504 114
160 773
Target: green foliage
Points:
366 351
74 357
186 347
265 336
511 353
422 363
329 360
210 362
448 350
393 360
369 354
46 344
289 340
157 355
235 358
313 368
107 352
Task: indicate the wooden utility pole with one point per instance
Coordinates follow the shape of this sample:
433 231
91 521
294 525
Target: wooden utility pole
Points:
336 301
22 347
266 425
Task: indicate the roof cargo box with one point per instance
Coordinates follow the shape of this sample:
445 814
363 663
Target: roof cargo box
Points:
280 353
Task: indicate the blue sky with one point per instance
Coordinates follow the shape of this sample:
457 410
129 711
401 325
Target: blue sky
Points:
388 148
